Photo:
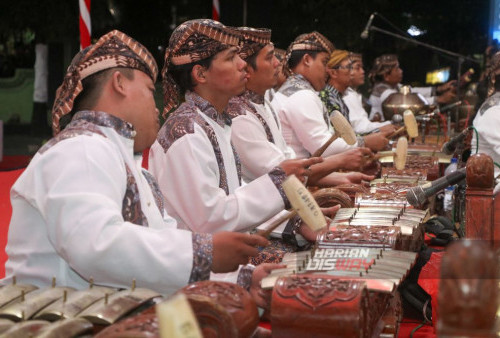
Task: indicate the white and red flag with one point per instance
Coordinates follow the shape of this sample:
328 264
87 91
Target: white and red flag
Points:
85 24
215 10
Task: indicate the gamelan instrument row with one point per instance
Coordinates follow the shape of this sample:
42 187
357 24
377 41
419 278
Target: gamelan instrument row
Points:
347 284
341 291
206 309
26 311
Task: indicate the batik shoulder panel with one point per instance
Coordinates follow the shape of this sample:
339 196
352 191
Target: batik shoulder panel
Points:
294 84
180 123
493 100
78 128
236 107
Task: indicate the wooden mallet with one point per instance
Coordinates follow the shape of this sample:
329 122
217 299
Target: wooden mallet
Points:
303 204
342 128
410 125
401 153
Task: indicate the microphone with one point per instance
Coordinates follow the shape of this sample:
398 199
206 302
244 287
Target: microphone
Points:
366 31
450 146
451 105
437 110
417 196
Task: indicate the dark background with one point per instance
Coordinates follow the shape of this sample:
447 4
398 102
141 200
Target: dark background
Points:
458 26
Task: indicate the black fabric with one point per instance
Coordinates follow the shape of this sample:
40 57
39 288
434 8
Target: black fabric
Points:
442 228
288 234
415 300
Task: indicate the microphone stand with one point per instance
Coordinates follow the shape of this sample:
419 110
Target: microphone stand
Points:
459 193
460 59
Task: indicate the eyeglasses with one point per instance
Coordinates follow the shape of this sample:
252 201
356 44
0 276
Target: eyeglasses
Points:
343 67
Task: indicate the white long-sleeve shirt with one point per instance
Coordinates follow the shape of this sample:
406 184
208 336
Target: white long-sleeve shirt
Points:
198 172
302 115
487 124
85 209
358 117
256 135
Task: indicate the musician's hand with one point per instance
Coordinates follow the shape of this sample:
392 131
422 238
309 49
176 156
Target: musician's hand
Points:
307 232
447 97
231 249
356 177
354 159
300 167
376 141
331 211
447 86
260 296
376 117
388 129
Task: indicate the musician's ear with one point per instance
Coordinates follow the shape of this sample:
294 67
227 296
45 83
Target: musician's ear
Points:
198 74
307 60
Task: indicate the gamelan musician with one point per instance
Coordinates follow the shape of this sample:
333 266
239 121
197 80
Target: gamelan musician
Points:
386 76
85 210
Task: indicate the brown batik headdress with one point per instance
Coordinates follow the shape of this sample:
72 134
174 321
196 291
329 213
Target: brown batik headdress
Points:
492 71
336 57
314 41
190 42
280 54
253 40
114 49
383 65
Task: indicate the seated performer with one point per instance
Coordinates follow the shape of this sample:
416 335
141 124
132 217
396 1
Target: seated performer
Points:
280 56
304 119
256 130
339 69
84 209
386 76
193 159
358 117
487 120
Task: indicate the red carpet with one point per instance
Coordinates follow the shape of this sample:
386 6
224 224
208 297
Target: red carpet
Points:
405 329
7 179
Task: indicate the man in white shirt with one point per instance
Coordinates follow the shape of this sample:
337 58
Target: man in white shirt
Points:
85 209
358 117
305 123
193 159
339 69
386 75
256 129
486 138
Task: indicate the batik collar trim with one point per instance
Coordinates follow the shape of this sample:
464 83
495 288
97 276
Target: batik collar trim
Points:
208 109
254 97
493 100
106 120
295 83
332 90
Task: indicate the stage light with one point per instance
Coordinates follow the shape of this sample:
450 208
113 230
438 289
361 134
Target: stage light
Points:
415 31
